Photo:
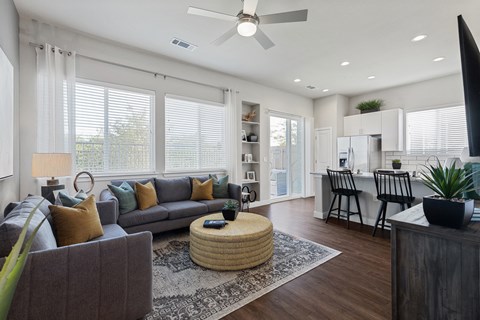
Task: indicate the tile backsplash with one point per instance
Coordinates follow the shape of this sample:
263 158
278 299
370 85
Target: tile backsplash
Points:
411 162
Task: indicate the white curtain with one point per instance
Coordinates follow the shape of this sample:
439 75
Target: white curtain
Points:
232 134
55 99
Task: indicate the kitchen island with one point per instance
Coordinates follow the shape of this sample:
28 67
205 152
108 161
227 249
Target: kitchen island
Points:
368 198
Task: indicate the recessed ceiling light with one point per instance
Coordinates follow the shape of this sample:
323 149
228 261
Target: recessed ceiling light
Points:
326 90
420 37
438 59
344 63
297 80
371 77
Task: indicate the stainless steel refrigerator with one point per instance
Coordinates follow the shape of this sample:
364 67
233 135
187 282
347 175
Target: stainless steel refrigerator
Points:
359 152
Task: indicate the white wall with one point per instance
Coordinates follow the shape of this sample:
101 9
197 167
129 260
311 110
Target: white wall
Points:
439 92
329 112
268 98
9 187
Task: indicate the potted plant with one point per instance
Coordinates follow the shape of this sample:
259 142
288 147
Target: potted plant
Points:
396 164
370 105
447 206
230 210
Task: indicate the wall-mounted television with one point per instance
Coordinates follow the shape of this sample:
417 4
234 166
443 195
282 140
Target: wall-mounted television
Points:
470 57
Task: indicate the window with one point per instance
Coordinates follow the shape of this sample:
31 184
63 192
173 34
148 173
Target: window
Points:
194 135
437 131
113 128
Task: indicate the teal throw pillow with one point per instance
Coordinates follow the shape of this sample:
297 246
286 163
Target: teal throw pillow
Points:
220 186
69 201
126 197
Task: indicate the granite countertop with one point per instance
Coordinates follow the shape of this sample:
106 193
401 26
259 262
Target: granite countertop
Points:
366 175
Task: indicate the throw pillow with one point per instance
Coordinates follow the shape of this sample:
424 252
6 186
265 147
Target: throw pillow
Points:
69 201
78 224
146 195
220 186
12 225
202 191
126 197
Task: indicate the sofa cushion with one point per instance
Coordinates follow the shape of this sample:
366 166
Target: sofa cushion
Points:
138 217
183 209
12 225
202 190
69 201
126 197
220 186
215 205
111 231
146 195
78 224
36 200
176 189
132 182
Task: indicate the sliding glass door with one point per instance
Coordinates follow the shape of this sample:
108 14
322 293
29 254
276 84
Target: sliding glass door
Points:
286 155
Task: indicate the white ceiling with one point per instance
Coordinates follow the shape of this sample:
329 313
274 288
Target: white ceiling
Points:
374 35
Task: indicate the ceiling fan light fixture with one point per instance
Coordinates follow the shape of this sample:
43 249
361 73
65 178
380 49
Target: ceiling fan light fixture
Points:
247 27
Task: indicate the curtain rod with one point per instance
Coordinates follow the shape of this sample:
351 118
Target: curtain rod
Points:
155 74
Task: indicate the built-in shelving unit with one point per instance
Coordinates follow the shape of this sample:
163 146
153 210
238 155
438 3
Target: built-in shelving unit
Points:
251 149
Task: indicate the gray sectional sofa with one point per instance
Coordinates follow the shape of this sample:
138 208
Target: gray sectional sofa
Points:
109 277
174 210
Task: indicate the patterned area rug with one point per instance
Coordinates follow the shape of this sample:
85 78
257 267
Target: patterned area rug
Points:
184 290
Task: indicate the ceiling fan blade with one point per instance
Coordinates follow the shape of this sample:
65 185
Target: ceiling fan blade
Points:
211 14
290 16
263 39
250 6
227 35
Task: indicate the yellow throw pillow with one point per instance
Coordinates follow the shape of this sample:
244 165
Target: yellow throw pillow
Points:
146 195
202 191
77 224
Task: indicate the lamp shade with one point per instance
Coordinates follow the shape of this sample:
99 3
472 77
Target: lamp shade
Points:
51 165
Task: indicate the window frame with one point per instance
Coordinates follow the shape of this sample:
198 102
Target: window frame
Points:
174 173
117 86
426 108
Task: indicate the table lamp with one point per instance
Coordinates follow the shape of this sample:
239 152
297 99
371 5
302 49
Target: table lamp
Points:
51 165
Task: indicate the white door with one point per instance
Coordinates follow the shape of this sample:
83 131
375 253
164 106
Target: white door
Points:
323 149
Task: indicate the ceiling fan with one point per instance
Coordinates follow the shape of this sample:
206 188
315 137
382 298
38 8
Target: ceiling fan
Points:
247 21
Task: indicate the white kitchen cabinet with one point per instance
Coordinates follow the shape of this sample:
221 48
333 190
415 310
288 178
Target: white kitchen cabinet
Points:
392 130
363 124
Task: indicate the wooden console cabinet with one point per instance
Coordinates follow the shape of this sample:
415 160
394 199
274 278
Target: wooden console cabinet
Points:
435 270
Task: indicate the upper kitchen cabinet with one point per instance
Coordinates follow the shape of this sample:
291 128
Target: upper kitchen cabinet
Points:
363 124
392 130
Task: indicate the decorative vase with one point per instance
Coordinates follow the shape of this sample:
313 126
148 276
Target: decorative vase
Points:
396 165
369 110
229 214
448 213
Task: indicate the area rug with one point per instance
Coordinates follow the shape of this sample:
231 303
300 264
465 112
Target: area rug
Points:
184 290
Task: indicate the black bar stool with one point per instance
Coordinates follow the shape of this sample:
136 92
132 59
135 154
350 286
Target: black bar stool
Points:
343 185
392 187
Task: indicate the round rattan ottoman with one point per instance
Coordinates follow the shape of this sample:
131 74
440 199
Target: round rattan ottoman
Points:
242 244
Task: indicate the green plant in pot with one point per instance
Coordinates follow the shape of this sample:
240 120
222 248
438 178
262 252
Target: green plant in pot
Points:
396 164
230 210
447 207
370 105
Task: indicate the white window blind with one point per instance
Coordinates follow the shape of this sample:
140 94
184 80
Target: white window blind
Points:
194 135
437 131
113 129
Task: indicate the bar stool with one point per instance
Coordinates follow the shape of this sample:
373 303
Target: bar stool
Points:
342 184
392 187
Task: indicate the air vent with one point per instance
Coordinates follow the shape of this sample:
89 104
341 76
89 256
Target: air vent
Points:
311 87
183 44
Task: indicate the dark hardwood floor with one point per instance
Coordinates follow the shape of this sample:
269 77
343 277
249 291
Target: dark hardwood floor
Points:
353 285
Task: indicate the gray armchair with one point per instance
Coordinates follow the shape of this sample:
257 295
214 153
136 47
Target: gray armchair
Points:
109 277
